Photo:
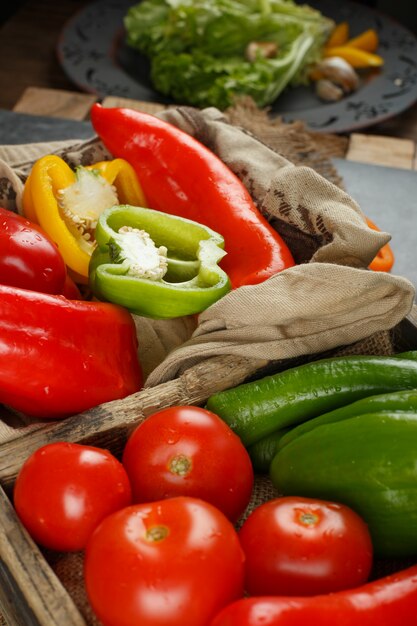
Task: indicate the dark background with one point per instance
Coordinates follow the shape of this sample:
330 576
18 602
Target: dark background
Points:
30 29
405 11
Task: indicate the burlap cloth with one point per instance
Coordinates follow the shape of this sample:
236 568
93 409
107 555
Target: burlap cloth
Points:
329 301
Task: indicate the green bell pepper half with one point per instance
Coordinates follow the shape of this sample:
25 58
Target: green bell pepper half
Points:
155 264
263 451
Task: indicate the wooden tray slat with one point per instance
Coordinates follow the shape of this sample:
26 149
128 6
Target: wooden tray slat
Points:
109 424
139 105
30 593
380 150
55 103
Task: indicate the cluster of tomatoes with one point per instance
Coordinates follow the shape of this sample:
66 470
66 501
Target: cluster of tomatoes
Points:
167 532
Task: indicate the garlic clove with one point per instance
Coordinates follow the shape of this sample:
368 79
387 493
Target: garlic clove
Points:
339 72
326 90
265 49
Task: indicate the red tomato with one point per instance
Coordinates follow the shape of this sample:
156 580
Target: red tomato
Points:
28 257
188 451
300 546
175 562
64 490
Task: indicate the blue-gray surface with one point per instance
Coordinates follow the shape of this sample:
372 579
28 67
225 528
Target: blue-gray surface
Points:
16 128
388 196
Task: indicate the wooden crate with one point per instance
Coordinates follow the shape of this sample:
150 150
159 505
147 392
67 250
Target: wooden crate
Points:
30 591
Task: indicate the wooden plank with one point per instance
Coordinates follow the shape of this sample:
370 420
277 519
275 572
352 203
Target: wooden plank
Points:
108 425
8 432
55 103
13 425
380 150
10 424
138 105
30 592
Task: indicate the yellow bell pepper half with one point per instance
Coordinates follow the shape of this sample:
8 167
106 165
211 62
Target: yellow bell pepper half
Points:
122 175
67 204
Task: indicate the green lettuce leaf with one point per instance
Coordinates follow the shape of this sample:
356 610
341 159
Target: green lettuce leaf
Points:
197 47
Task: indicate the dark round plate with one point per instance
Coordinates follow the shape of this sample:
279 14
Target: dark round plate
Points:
93 53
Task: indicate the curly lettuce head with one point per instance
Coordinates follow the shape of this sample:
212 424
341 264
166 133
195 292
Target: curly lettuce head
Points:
197 48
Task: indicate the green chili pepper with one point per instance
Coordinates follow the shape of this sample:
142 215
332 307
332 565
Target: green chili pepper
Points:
396 401
263 451
256 409
368 462
155 264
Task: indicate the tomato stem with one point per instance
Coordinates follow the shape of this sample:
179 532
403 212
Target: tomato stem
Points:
156 533
308 519
180 465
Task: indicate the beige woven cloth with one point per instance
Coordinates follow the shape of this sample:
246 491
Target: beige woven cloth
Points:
328 299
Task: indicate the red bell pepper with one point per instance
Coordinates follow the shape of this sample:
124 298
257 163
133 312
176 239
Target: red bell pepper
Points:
389 601
60 357
28 258
181 176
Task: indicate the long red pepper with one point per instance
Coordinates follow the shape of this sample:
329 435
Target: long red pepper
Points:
60 357
181 176
389 601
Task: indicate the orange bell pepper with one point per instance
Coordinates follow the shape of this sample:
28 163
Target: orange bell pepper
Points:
384 260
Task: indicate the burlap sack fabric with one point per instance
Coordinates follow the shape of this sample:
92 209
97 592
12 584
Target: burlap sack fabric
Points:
328 299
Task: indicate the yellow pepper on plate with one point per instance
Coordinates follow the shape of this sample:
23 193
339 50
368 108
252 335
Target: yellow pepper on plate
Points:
339 35
368 41
358 51
354 56
67 203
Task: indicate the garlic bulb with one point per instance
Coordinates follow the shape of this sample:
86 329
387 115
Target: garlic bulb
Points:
339 72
